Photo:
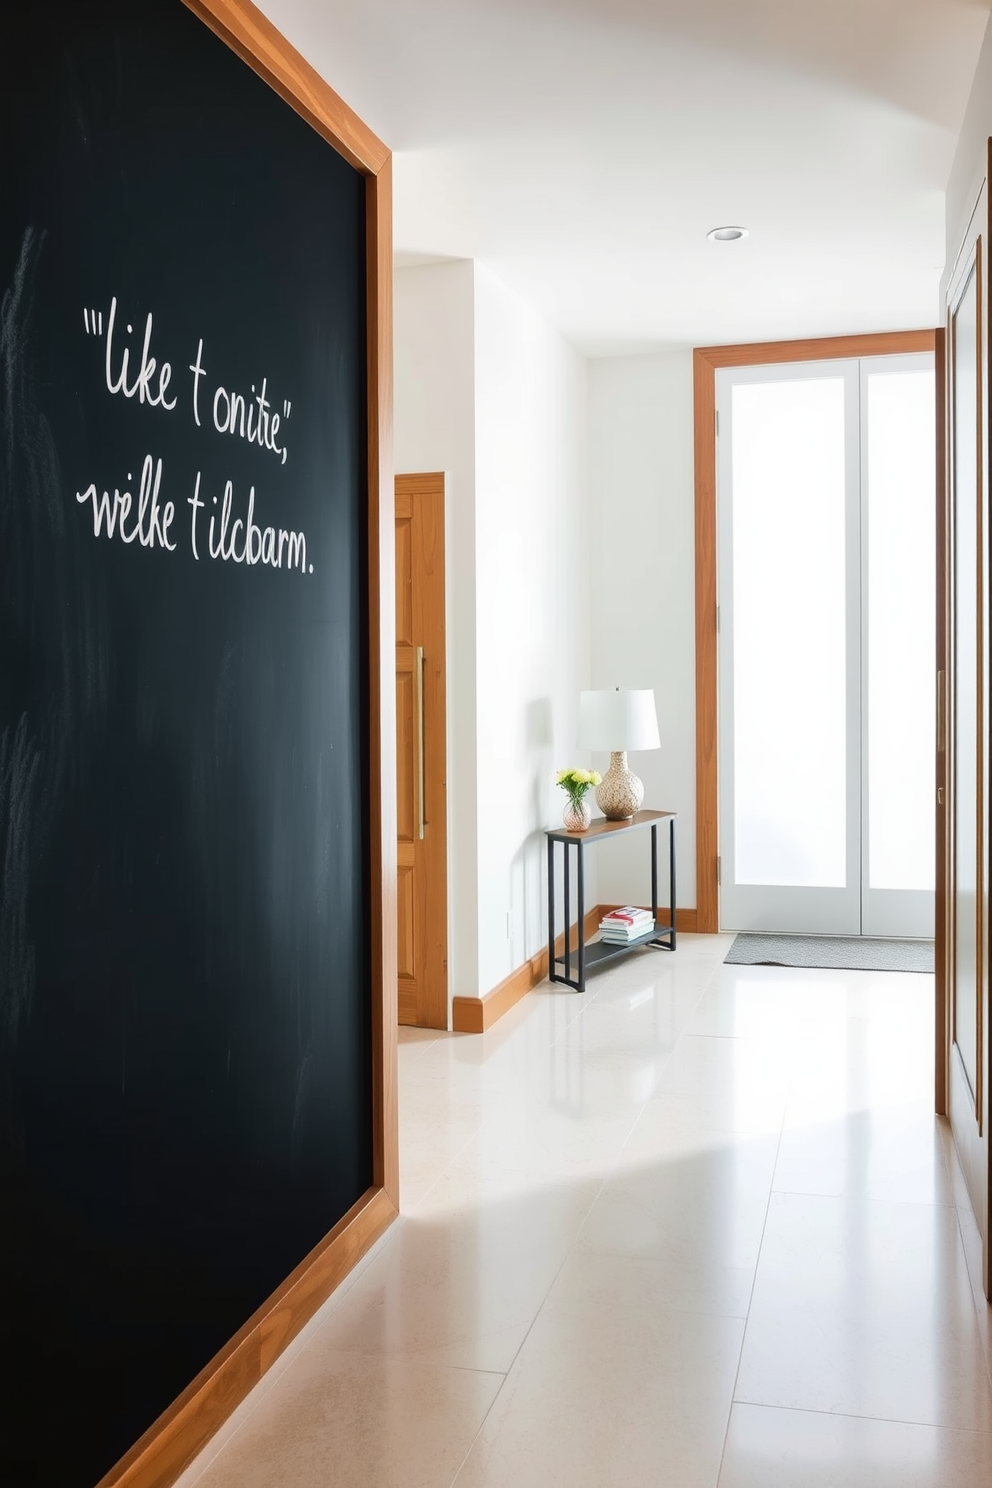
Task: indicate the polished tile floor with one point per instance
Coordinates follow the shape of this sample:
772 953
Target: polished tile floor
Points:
697 1229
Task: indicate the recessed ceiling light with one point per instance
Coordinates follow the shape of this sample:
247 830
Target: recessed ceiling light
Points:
726 234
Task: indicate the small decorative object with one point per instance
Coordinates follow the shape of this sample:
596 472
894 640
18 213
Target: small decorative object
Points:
618 720
578 813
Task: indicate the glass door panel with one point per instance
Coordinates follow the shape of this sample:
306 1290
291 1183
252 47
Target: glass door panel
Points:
898 420
789 599
790 783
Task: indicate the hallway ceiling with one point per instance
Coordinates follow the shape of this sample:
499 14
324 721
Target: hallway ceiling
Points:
584 148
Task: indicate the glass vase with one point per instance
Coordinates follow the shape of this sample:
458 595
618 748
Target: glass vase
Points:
577 815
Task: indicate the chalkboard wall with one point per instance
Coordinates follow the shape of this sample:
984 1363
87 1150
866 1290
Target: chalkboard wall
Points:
185 1043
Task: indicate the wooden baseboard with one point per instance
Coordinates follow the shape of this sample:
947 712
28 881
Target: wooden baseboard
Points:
170 1445
476 1014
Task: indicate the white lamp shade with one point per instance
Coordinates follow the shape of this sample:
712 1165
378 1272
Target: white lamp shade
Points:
620 718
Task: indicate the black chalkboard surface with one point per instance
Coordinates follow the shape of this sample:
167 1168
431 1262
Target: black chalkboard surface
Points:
185 1085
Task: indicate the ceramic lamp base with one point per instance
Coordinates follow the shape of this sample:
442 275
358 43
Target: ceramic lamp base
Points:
621 793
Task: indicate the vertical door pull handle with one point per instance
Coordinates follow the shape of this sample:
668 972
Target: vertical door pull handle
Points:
421 822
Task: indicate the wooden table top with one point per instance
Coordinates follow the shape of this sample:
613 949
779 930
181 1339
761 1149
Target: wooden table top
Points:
601 827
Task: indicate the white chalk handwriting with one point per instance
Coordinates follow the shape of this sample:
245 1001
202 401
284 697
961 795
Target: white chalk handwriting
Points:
151 520
243 540
229 533
251 418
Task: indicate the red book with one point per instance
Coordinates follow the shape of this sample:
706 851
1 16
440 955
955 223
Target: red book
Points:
626 916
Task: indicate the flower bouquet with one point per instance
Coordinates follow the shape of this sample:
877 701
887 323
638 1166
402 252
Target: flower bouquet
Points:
575 783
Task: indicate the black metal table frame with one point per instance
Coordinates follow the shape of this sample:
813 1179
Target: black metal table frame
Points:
658 938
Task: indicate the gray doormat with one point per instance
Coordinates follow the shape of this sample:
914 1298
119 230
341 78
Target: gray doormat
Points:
842 952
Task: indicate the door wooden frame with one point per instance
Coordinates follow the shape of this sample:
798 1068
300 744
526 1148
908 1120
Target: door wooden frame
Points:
170 1444
965 1108
941 960
706 361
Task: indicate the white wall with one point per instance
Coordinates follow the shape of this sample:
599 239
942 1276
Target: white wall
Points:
968 170
434 372
642 588
532 621
489 393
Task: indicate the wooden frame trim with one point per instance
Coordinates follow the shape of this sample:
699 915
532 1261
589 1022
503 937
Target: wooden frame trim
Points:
477 1014
967 1101
418 482
942 664
171 1442
705 362
382 680
982 743
255 39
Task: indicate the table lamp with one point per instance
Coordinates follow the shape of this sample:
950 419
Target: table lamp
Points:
618 719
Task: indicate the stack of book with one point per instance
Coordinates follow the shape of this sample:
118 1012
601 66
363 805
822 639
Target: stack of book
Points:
626 924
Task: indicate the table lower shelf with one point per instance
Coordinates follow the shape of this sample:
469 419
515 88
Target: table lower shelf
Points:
595 952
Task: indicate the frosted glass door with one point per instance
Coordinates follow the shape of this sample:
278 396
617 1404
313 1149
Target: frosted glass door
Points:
789 636
826 582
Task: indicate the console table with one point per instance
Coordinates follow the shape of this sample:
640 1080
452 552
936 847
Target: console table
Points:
661 937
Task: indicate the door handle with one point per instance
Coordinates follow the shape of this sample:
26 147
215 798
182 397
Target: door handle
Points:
421 822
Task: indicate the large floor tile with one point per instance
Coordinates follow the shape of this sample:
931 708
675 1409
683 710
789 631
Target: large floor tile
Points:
756 1002
772 1002
419 1173
570 1132
645 1278
427 1148
354 1422
413 1041
727 1084
768 1448
636 1034
890 1152
865 1308
859 1063
464 1279
708 1207
600 1398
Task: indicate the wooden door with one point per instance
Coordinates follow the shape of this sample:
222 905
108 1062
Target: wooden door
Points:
421 752
963 745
